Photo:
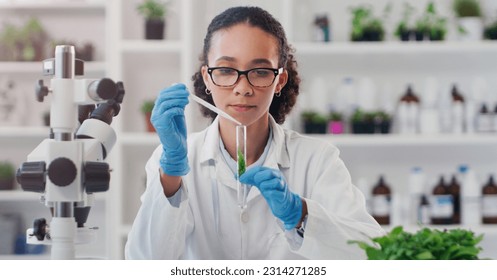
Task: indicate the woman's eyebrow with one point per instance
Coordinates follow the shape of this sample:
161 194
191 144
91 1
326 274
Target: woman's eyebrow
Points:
257 61
261 61
226 58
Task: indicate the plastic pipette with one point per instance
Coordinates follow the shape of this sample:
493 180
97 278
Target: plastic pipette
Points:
213 108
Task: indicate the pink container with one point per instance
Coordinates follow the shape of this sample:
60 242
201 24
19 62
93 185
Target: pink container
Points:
335 127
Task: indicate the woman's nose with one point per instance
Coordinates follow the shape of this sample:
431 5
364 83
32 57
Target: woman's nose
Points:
243 86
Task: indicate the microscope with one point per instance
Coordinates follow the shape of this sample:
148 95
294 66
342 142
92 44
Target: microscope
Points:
69 168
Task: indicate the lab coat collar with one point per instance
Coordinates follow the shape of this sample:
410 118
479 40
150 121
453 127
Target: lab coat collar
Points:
278 153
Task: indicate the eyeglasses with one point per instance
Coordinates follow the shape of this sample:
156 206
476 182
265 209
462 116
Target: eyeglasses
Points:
257 77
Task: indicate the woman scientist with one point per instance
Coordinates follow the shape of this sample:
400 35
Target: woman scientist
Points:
303 204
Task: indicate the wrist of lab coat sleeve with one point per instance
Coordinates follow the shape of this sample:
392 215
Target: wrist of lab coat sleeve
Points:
180 196
293 238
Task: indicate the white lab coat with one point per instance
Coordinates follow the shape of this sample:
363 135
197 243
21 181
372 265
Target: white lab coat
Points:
208 224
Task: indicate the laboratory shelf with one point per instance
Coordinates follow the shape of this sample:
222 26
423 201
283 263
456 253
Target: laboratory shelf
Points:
351 140
19 195
390 140
24 196
24 131
21 136
145 46
51 6
25 257
139 139
36 67
391 48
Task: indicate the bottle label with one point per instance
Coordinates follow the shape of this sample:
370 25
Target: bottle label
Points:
441 206
380 205
489 205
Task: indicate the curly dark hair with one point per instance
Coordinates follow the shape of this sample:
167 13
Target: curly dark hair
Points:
257 17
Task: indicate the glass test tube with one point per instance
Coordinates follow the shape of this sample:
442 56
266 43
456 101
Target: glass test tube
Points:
241 152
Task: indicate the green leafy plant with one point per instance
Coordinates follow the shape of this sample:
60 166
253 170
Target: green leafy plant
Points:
490 31
147 106
431 24
365 26
241 163
26 43
335 116
7 170
314 122
152 9
358 116
403 27
313 117
380 116
467 8
425 244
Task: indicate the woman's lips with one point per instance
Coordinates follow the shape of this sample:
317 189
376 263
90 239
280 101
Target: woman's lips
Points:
242 107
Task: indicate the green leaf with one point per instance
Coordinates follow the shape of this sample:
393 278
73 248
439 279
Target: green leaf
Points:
425 244
426 255
375 254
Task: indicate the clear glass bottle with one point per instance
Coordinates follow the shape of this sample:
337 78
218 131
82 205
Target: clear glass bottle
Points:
457 111
484 120
408 112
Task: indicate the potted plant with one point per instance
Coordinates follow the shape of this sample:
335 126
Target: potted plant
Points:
369 125
335 123
437 27
490 32
154 13
35 39
403 30
365 26
7 174
12 43
425 244
430 25
382 122
470 25
358 122
314 123
146 109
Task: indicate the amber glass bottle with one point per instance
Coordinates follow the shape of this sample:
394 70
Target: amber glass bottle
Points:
442 205
381 202
455 190
489 202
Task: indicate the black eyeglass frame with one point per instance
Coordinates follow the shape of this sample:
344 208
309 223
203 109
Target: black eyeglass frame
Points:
276 72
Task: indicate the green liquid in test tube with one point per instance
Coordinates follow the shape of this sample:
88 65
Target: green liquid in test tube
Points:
241 151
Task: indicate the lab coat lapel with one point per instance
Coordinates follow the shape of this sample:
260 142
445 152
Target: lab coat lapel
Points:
211 155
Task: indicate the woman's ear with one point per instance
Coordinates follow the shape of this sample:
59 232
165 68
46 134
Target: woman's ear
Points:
205 75
282 79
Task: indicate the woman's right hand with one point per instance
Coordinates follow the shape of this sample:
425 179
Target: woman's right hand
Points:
168 118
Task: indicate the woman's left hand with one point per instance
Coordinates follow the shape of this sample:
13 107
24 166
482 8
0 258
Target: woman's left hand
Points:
285 205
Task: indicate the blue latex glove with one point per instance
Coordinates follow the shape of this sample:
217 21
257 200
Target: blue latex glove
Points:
168 118
284 204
